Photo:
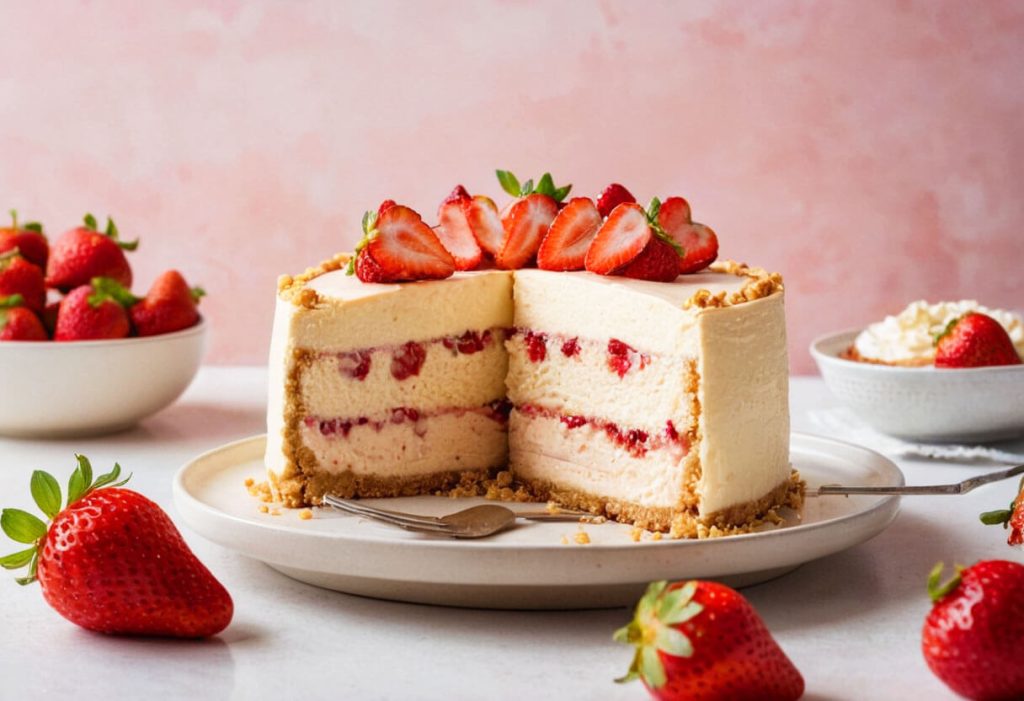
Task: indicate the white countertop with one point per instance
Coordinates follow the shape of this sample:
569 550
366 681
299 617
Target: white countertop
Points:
850 622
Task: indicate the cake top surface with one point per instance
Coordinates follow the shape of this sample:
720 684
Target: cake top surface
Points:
723 284
909 336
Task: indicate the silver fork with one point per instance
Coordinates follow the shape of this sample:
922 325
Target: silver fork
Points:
957 488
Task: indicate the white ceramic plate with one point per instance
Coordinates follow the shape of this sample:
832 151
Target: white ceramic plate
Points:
527 567
928 405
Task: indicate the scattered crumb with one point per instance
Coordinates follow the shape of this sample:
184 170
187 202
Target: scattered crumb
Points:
565 540
636 533
553 508
656 536
262 508
260 490
249 481
306 514
275 512
582 538
593 519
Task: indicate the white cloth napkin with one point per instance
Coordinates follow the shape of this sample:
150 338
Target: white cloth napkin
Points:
841 423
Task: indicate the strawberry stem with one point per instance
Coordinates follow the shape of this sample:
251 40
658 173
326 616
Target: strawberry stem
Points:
937 589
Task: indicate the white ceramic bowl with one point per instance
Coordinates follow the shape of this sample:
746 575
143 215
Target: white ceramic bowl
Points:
81 388
972 405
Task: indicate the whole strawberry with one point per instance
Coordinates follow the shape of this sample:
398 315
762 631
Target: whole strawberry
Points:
112 561
18 323
974 340
703 640
973 638
94 311
20 277
1012 517
27 238
170 305
84 253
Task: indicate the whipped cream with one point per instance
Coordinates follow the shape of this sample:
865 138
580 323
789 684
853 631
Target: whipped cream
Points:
909 337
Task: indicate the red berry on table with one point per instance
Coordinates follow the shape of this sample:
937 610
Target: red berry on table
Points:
94 311
623 236
973 638
703 640
18 323
454 231
170 305
612 197
111 560
20 277
698 242
485 223
84 253
526 220
28 238
570 235
974 340
658 262
1012 518
402 248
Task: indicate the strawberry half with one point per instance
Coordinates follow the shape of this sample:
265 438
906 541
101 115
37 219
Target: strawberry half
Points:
526 224
623 236
455 232
570 235
112 561
703 640
401 246
28 238
485 223
20 277
94 311
972 341
84 253
697 241
612 197
18 323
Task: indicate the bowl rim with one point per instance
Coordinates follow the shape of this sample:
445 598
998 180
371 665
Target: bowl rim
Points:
821 357
195 330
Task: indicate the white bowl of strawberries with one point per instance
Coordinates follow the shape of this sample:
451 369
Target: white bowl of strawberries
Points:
948 375
79 353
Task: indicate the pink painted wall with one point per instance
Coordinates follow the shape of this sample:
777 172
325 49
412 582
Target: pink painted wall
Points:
872 152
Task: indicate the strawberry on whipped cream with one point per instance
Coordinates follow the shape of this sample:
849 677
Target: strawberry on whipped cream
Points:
908 338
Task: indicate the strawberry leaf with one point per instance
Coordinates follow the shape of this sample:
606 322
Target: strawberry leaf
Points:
546 185
658 230
86 468
15 561
110 479
33 226
90 222
46 492
651 668
527 188
14 218
561 193
76 486
11 301
197 294
1000 517
21 526
32 569
107 289
937 590
509 183
673 642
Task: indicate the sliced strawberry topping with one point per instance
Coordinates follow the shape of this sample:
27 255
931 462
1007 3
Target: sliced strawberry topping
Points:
659 262
454 231
612 197
367 269
622 237
699 242
571 233
525 226
485 223
404 248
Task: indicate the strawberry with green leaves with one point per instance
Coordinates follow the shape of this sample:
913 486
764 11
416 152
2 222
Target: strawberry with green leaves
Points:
94 311
632 242
973 638
84 253
397 246
974 340
170 305
703 640
527 219
1012 517
111 561
28 238
18 323
20 277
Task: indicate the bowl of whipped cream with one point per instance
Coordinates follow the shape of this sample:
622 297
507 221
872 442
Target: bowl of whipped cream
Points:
886 375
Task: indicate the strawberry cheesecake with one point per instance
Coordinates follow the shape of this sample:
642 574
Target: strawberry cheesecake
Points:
657 398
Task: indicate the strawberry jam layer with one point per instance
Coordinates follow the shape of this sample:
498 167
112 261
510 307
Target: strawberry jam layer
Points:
636 441
497 411
406 360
